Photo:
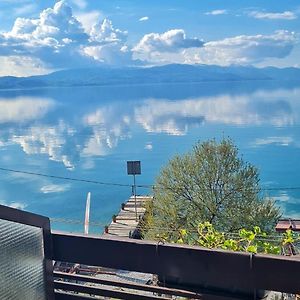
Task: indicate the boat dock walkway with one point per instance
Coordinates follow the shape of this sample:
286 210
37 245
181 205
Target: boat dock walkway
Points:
125 223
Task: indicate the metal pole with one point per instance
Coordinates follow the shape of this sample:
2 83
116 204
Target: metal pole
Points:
136 217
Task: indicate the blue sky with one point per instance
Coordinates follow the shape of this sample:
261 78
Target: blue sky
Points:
37 37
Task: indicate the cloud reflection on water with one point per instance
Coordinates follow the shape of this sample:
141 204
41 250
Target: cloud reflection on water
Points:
97 130
24 109
109 125
176 118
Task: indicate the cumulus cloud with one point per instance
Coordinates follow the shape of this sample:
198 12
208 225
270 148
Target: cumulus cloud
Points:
60 39
160 47
144 19
112 53
53 38
89 19
245 49
57 23
174 47
217 12
57 39
15 65
286 15
104 32
169 41
108 44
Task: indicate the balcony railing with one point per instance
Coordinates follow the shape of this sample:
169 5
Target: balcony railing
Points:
184 271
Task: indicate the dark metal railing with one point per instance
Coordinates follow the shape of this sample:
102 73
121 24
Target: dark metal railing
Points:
198 272
181 270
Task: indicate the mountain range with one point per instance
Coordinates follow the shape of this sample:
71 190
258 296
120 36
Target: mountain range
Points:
173 73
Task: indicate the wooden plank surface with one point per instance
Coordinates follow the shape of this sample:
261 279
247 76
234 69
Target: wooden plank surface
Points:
126 222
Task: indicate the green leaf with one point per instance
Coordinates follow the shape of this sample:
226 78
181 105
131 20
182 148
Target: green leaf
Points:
252 249
256 229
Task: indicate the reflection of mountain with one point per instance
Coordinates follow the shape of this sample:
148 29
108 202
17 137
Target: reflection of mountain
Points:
94 129
162 74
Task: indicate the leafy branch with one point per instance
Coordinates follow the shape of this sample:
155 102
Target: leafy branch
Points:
253 241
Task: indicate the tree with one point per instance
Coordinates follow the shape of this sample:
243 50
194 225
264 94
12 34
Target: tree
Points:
209 184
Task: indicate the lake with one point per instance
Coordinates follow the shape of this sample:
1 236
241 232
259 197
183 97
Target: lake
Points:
90 132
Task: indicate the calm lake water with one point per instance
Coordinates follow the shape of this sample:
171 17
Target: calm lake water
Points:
90 133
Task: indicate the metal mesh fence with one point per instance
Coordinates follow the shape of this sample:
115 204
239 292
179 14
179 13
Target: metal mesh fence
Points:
21 262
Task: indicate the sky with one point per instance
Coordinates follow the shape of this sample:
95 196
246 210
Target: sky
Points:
42 36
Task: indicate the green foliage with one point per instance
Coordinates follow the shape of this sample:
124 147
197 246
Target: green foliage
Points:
253 241
211 183
290 237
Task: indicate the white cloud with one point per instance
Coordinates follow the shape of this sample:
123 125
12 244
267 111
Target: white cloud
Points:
144 19
23 109
89 19
108 44
217 12
165 47
22 66
57 39
244 49
173 47
169 41
286 15
54 38
105 32
55 188
111 53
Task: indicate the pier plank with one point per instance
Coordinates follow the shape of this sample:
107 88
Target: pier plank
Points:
126 222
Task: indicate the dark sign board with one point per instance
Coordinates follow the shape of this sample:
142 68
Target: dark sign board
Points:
134 167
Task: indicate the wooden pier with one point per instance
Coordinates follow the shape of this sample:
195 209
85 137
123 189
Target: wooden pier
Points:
125 223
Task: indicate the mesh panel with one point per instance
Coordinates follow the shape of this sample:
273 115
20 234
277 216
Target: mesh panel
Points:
21 262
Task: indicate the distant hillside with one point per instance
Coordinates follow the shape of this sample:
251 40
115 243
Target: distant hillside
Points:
162 74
